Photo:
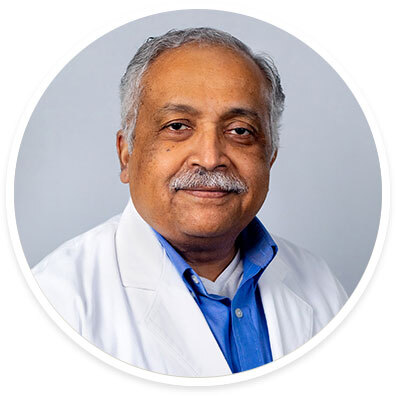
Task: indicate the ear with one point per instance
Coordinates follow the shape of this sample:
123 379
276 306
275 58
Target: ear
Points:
123 156
274 155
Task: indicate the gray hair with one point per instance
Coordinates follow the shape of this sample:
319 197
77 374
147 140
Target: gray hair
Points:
130 87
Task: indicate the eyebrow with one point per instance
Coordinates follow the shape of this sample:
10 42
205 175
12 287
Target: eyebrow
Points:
176 107
241 111
183 108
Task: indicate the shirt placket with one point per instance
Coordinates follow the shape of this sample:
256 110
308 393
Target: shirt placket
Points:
245 334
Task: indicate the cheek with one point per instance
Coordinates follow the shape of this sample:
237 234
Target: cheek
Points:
152 168
257 175
253 165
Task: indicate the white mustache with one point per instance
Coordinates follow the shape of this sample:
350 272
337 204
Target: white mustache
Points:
201 178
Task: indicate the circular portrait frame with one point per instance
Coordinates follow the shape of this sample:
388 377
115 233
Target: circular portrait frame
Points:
254 373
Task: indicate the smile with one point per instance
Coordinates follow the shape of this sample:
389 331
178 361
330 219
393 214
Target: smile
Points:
206 192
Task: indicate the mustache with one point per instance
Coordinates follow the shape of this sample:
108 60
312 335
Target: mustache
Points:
202 178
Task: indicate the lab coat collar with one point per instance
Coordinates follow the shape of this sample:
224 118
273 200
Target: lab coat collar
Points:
289 317
172 316
139 253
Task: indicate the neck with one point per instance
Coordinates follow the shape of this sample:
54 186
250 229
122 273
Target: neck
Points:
208 260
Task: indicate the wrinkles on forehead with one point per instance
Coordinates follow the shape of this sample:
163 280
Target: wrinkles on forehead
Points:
192 60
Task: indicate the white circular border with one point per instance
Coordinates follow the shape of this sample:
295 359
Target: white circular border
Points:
188 381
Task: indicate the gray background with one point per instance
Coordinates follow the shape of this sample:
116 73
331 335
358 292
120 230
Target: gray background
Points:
325 191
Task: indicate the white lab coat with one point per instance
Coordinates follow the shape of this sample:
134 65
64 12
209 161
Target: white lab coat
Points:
116 287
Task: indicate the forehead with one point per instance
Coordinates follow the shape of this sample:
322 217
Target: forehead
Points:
207 74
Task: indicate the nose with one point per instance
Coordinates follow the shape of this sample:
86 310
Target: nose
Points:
208 150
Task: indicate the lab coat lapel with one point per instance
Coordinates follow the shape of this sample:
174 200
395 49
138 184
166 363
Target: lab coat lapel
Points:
166 308
176 319
289 317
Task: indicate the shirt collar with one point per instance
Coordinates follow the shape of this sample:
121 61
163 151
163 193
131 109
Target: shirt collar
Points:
258 249
256 245
173 255
189 276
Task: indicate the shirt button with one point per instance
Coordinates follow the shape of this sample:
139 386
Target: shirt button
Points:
195 279
238 313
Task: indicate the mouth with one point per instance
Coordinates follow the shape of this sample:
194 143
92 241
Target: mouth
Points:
205 192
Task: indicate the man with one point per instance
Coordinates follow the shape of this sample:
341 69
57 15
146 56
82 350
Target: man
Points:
187 281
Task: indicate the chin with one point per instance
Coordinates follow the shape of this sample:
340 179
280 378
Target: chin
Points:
208 222
208 229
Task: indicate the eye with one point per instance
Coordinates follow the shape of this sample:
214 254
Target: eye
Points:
240 131
177 126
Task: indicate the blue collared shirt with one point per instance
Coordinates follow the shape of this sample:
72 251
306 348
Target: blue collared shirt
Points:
239 325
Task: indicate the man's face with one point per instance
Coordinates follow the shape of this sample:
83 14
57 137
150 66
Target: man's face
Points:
203 108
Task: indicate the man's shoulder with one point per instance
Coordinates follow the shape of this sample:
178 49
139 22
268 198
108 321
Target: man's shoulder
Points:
309 276
300 261
297 257
72 274
81 250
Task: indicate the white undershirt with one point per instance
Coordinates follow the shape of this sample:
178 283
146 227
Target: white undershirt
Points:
228 281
